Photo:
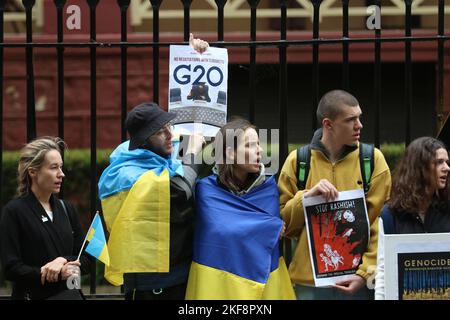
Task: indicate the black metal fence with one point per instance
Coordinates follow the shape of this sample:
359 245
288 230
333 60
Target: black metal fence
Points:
283 45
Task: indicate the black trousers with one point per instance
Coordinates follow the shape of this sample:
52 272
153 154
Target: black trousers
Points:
176 292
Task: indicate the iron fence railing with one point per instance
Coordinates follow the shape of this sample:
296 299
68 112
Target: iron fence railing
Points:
283 44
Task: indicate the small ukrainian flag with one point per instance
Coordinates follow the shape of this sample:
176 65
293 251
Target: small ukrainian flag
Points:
97 242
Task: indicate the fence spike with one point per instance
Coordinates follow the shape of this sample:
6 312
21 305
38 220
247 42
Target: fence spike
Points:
186 3
220 3
123 4
60 3
28 3
156 3
253 3
92 3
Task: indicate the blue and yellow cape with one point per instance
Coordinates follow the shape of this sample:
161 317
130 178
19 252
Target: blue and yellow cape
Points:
135 194
236 253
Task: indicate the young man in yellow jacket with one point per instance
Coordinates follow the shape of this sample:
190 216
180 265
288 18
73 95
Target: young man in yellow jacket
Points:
334 167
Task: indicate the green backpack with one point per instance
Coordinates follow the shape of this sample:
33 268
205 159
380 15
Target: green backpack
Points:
366 155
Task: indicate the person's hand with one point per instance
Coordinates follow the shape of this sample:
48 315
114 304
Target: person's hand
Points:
323 188
70 268
199 45
195 143
351 285
50 271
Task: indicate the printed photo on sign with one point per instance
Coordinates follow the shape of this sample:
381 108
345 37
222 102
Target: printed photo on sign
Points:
338 234
198 89
417 266
424 276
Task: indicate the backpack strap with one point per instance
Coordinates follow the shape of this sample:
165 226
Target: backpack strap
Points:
366 159
303 164
366 164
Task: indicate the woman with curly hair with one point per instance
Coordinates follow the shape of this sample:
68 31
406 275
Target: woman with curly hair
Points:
419 200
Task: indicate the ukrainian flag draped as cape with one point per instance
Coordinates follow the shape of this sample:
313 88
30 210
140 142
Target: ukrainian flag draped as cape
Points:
236 253
135 194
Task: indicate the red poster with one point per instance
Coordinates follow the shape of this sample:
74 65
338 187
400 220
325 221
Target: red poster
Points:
338 234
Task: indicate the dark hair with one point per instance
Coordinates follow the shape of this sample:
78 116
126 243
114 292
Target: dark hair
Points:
235 130
330 105
413 180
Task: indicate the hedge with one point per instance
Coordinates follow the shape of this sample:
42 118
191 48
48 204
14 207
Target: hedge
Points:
77 182
392 152
77 170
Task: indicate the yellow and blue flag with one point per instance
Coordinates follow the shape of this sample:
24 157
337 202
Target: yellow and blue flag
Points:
236 245
97 241
135 194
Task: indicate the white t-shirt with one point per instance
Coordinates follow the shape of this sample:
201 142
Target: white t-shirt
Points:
50 214
379 277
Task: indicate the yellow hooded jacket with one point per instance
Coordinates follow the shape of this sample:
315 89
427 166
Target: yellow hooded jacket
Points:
345 174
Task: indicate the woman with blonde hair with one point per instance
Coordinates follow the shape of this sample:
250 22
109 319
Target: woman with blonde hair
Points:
40 235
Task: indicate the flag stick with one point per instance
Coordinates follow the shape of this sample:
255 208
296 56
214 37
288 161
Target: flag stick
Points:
85 238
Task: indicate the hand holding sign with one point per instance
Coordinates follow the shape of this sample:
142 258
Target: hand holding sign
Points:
198 44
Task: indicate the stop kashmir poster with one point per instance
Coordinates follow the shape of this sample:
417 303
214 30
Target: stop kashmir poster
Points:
338 235
198 89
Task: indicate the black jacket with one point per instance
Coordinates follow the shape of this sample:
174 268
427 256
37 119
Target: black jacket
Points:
29 240
437 220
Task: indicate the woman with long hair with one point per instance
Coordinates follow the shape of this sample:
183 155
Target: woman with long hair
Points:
238 226
40 235
419 200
